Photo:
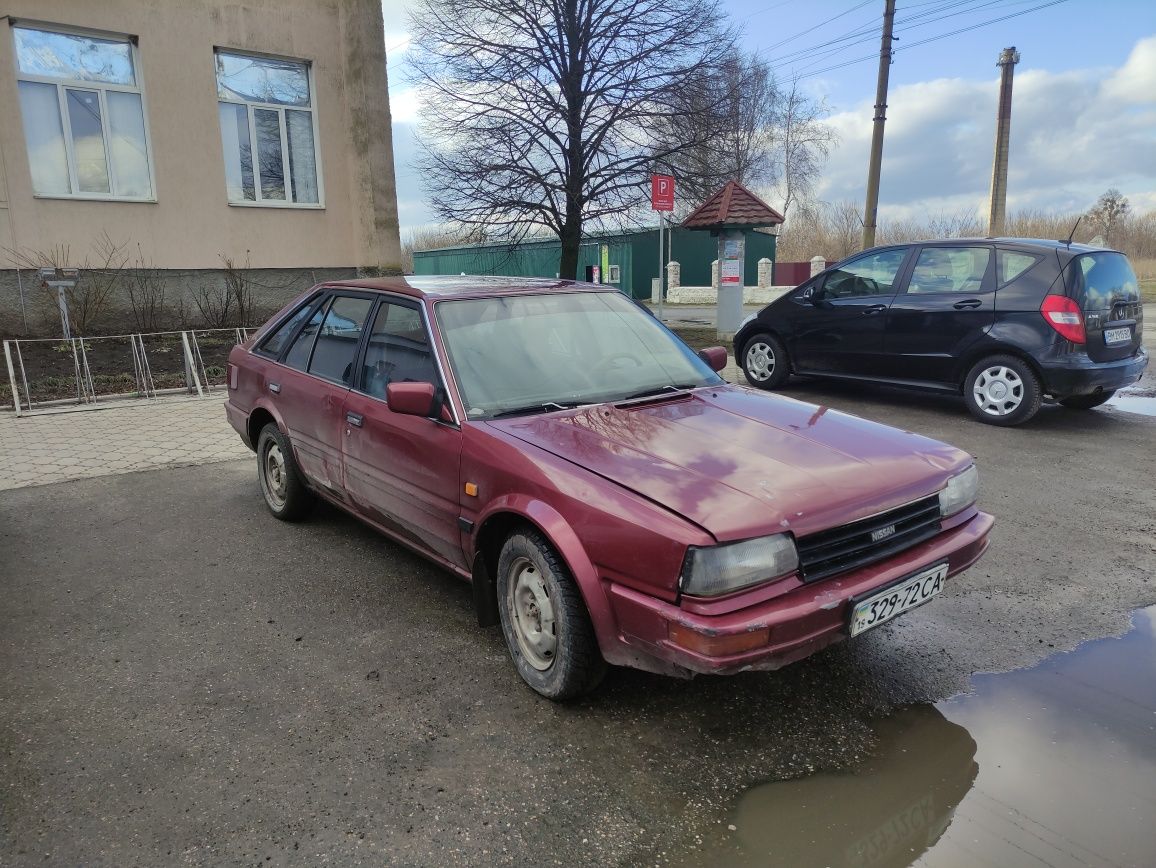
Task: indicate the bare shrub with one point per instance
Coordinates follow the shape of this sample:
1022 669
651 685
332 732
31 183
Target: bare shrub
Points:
230 303
101 274
145 285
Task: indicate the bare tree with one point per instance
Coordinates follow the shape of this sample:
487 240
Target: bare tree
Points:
145 285
548 114
736 109
1109 211
804 143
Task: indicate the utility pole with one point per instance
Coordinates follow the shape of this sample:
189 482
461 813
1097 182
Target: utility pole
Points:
1008 58
869 217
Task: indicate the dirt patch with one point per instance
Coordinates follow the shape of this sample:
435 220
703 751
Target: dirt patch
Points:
698 337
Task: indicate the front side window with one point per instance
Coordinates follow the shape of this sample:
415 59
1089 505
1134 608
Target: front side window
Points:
869 275
83 112
398 350
950 269
268 133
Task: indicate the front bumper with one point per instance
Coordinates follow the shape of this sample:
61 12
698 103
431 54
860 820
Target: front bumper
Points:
796 623
1082 376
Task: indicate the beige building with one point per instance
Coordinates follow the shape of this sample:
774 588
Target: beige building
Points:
192 131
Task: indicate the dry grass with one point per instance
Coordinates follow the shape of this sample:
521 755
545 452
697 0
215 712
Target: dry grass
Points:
835 230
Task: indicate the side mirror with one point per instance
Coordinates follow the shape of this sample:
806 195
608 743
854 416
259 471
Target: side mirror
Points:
411 399
716 357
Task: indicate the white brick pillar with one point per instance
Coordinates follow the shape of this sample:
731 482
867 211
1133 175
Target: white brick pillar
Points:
673 275
714 278
766 268
818 263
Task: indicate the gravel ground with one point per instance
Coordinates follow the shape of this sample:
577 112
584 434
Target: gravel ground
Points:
186 680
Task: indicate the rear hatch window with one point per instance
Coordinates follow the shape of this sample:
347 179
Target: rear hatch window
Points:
1104 285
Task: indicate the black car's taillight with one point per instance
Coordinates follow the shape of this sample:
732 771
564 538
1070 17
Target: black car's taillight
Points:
1064 315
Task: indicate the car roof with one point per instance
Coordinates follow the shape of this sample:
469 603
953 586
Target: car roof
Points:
437 287
1046 243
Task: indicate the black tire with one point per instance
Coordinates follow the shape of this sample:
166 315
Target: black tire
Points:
566 663
1002 390
1087 402
764 361
285 494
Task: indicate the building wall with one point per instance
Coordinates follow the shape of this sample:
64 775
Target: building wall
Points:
191 225
636 253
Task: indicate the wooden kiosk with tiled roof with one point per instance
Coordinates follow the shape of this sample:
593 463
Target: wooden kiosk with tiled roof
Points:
730 214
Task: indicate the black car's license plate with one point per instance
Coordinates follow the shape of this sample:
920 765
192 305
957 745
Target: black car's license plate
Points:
1118 336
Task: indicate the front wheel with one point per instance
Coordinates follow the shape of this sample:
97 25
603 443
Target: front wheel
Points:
1087 402
1002 390
764 362
544 620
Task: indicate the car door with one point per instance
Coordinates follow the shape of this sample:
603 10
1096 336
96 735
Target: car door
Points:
839 326
401 471
309 386
947 305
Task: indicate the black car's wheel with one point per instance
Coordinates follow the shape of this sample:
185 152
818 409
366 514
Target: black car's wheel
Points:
544 620
764 362
1087 402
281 484
1002 390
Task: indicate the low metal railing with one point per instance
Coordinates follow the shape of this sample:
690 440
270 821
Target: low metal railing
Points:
88 372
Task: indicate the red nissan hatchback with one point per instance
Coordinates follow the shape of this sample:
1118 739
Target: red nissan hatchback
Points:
609 496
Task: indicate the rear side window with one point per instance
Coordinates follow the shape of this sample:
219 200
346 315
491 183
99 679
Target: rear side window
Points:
950 269
273 344
298 355
1103 279
338 339
1010 265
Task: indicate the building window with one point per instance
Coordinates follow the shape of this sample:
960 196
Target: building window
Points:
84 118
268 130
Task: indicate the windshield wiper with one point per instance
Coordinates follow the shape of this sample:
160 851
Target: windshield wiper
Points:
668 389
541 407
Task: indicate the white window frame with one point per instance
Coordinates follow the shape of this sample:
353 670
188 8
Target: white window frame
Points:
102 88
280 108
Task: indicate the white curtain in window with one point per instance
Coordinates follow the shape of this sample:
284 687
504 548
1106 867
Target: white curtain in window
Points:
127 144
45 138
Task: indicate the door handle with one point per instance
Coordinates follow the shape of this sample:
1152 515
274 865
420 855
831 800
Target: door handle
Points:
275 388
967 303
875 308
354 419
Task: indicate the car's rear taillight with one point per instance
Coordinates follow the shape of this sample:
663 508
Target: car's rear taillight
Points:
1065 316
232 374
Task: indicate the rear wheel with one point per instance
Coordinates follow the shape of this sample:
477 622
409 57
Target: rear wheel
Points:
1002 390
764 362
544 620
281 484
1087 402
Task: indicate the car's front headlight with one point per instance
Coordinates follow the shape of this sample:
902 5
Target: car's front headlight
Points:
960 492
712 570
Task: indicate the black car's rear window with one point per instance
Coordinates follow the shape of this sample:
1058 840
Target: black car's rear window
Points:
1099 280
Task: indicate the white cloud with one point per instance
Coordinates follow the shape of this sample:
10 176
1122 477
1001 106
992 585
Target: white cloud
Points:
1073 135
404 104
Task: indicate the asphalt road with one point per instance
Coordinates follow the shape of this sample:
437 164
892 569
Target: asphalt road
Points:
186 680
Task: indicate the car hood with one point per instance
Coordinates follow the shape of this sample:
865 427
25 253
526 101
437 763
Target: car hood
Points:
740 463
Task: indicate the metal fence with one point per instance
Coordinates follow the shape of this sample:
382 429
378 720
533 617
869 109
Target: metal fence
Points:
51 374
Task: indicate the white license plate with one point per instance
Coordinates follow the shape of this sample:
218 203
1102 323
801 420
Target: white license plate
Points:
897 599
1118 336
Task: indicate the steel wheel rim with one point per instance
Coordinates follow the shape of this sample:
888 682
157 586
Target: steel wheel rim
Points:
998 391
760 361
532 614
274 476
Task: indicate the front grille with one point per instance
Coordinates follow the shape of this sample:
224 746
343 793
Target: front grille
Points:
851 546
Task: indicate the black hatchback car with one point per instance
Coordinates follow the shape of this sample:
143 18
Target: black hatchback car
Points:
1005 322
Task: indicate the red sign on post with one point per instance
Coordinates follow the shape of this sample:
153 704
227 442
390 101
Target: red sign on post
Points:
662 192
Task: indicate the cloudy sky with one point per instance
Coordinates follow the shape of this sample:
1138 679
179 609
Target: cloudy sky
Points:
1084 112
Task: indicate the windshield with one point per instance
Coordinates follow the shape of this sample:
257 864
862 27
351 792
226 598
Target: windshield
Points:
545 352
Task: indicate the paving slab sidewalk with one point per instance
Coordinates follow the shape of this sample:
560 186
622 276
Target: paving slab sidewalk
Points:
37 450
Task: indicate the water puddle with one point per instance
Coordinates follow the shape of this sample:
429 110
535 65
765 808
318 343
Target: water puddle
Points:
1145 404
1054 765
